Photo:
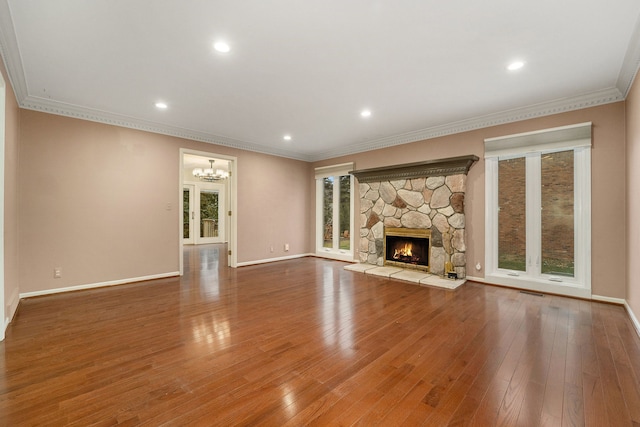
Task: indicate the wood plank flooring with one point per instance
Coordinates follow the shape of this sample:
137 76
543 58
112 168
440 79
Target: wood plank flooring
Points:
303 342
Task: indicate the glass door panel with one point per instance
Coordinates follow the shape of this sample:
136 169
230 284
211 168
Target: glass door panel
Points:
209 214
512 236
327 212
345 212
557 216
188 214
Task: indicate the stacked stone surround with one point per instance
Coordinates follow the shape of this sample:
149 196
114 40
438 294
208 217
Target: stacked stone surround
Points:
424 202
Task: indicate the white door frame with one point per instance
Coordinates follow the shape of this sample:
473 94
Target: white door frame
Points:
231 201
198 189
3 314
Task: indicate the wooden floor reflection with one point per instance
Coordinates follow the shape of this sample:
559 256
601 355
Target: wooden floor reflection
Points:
303 342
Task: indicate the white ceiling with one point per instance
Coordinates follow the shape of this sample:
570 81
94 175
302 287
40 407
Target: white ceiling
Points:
424 68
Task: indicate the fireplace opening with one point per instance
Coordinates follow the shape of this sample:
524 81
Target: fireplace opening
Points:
407 247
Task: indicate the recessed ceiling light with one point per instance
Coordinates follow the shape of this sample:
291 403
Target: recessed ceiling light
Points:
516 65
287 137
222 47
365 113
161 105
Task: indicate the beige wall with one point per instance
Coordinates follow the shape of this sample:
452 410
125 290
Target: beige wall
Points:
633 197
93 198
608 184
93 201
12 125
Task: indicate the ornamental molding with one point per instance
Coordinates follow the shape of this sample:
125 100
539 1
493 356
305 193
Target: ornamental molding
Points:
16 74
440 167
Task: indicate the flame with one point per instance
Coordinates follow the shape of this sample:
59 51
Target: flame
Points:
403 252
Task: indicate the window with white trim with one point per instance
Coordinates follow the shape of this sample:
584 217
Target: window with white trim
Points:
334 212
538 210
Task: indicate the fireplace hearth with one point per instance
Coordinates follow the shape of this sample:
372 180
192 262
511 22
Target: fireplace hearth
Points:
407 247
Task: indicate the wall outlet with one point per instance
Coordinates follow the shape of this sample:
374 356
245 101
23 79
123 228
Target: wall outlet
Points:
286 247
57 273
271 248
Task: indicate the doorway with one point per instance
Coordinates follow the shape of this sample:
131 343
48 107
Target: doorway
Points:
208 197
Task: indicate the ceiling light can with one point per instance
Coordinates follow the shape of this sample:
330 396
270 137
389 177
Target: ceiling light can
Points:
516 65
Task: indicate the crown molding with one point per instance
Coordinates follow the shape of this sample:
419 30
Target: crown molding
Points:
631 62
10 53
13 62
83 113
593 99
524 113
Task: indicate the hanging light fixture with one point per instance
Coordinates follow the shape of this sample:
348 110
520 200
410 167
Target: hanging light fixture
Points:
209 175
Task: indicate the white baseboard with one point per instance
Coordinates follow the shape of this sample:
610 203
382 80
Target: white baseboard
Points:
264 261
12 306
100 285
633 317
619 301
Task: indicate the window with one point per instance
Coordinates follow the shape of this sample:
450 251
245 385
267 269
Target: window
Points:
538 204
334 212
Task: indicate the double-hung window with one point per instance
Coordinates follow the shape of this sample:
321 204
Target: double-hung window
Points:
334 212
538 210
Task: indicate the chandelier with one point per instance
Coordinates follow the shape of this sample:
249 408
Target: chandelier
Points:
209 175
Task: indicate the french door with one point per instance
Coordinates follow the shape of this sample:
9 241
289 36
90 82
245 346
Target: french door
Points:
334 212
538 207
203 206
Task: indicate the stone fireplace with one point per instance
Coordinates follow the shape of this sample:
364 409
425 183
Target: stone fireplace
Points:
407 247
425 196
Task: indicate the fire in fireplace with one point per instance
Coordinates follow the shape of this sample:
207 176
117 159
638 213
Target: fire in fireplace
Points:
407 247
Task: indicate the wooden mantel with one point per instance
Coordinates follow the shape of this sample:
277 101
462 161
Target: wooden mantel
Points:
440 167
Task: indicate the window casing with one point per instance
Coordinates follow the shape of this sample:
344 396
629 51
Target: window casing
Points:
538 210
334 212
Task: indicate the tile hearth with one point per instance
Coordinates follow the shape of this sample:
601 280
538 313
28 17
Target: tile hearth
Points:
414 276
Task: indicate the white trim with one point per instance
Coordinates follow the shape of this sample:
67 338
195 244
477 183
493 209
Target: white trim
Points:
12 304
553 139
100 285
630 63
539 285
338 256
601 298
208 187
334 252
531 146
4 316
334 170
265 261
231 201
634 319
9 50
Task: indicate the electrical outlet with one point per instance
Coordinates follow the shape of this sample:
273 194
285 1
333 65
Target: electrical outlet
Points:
57 273
286 247
271 248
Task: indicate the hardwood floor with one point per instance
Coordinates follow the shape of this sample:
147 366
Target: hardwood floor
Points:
303 342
